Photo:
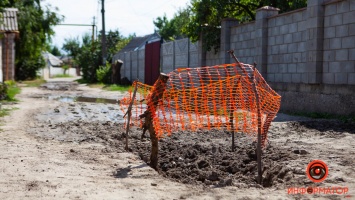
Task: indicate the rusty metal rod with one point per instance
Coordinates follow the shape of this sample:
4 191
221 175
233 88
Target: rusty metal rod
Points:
253 80
129 112
258 147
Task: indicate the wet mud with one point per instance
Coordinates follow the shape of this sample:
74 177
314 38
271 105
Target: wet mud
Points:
205 157
59 85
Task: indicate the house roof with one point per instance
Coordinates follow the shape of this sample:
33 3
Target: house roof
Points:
8 23
139 42
65 58
51 59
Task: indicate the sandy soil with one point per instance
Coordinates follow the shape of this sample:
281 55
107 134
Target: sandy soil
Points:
54 149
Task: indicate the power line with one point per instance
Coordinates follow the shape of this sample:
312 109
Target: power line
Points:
156 7
140 20
75 24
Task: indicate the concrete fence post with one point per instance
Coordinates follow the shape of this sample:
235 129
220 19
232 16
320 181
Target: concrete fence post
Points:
226 25
315 39
261 36
201 53
174 67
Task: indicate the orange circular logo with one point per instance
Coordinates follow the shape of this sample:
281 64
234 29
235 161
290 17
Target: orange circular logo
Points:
317 171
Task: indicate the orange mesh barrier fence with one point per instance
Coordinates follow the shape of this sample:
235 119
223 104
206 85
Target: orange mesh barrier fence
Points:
214 97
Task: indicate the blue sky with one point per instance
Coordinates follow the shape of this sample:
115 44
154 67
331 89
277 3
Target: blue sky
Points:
128 16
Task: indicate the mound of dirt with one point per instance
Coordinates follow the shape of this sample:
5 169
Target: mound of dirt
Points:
207 158
192 157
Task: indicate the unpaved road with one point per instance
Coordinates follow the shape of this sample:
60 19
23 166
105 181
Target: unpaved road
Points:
50 149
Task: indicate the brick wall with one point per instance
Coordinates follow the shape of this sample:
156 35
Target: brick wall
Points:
1 74
8 56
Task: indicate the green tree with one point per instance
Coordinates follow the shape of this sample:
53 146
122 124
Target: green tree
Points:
3 4
171 29
115 42
165 28
207 15
89 58
35 25
65 68
55 51
123 42
72 47
87 53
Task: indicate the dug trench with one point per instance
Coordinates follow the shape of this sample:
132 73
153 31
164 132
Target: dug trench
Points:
203 157
190 157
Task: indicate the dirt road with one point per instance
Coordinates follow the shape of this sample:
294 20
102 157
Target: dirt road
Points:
52 147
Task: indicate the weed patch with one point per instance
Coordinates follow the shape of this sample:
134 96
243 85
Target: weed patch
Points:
62 76
34 83
6 111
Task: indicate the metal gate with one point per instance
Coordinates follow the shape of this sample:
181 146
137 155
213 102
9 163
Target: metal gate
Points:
152 62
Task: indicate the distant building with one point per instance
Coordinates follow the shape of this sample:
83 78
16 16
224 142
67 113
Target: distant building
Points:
8 33
54 66
138 43
74 70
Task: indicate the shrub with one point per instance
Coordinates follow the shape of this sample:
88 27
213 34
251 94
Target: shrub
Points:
3 91
12 90
103 74
65 68
10 83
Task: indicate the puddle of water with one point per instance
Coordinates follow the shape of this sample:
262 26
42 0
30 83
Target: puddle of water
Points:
66 99
95 100
87 100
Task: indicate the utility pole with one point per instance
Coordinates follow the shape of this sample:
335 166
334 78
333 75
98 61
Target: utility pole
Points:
93 34
103 34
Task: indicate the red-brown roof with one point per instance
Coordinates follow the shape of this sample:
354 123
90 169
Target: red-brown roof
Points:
8 23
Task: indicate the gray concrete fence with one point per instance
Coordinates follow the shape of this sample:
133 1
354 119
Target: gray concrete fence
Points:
307 55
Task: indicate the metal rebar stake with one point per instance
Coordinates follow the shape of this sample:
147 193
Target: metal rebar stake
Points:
258 148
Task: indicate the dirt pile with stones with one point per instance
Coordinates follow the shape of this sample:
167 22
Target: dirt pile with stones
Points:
194 158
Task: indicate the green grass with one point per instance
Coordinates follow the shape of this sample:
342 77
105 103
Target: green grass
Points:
62 76
12 91
34 83
108 87
316 115
81 81
120 88
6 111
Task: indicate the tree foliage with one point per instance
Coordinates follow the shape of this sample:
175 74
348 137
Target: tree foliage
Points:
35 25
171 29
3 4
55 51
115 42
123 42
72 46
206 16
103 74
89 59
87 54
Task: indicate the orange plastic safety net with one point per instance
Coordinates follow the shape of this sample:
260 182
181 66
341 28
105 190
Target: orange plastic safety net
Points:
214 97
